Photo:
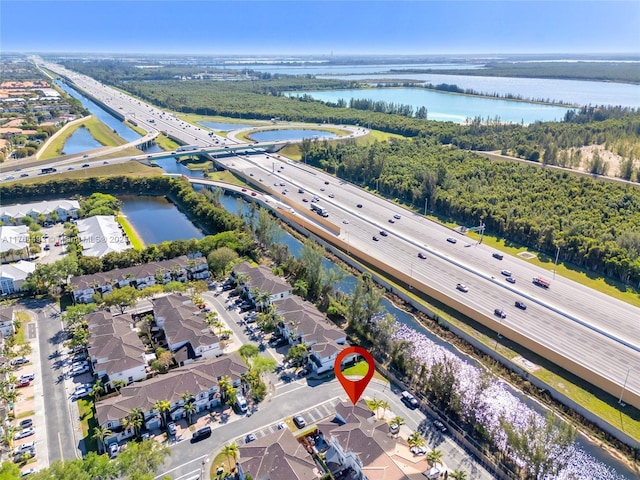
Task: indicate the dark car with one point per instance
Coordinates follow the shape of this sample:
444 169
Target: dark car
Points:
500 313
421 255
383 233
499 256
201 434
375 239
299 421
359 205
26 423
520 305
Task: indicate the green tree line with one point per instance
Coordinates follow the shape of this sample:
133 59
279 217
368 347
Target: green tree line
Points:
595 224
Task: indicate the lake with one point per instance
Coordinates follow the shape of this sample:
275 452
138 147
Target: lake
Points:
157 220
578 92
448 107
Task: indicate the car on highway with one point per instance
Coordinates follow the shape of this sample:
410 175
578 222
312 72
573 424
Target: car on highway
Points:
451 240
331 195
85 165
24 433
383 233
391 220
397 217
105 163
253 194
22 175
462 287
359 205
299 421
10 177
375 239
345 221
498 312
499 256
326 182
70 168
506 273
422 255
305 200
520 305
510 280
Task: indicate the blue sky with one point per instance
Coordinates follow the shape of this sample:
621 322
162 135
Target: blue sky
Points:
320 27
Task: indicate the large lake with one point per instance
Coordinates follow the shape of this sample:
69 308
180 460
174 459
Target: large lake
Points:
571 91
449 107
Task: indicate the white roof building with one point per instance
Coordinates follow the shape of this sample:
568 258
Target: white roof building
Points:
13 275
63 208
100 235
16 239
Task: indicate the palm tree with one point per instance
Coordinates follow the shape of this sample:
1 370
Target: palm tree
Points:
100 434
435 457
190 409
118 384
384 405
133 420
417 440
230 451
97 389
301 288
163 407
375 405
458 475
397 420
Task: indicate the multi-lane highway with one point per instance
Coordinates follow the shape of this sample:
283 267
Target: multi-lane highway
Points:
597 333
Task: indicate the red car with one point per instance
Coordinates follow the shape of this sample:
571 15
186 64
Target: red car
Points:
23 383
57 244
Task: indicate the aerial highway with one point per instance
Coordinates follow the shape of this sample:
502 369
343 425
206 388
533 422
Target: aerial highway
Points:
595 332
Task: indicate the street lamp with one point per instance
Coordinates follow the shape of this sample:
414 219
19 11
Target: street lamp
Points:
555 264
426 200
377 180
624 386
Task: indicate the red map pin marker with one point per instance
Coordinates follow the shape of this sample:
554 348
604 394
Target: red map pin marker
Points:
354 388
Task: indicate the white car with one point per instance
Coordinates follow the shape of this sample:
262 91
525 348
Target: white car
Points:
24 433
421 450
506 273
82 391
79 370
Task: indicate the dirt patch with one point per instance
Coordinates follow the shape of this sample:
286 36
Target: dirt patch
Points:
611 159
527 255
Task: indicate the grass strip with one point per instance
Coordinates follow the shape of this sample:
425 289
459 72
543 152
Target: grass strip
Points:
136 241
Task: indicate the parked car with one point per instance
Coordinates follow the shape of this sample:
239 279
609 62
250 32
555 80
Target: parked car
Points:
419 450
79 370
28 376
299 421
24 447
250 438
27 472
281 426
22 383
82 391
113 450
394 428
24 433
19 361
27 422
171 428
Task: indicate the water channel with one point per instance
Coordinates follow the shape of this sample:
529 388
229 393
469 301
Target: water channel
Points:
158 220
80 141
289 134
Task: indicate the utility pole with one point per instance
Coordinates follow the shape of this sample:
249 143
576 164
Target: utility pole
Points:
426 200
555 265
624 388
